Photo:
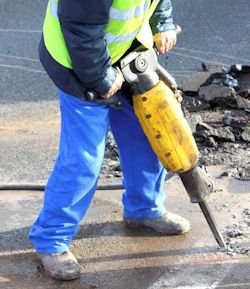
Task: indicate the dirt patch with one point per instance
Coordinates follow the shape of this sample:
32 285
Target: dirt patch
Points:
216 104
237 234
220 123
220 118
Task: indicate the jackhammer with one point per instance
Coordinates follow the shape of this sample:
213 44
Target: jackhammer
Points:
156 105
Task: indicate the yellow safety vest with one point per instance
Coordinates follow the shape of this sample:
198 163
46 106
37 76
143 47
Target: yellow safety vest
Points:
128 19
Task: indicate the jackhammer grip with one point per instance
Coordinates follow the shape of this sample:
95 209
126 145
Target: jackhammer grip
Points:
91 95
178 29
197 184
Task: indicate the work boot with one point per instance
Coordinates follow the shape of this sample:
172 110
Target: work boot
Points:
168 224
61 266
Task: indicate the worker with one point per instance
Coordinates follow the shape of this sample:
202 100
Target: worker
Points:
82 41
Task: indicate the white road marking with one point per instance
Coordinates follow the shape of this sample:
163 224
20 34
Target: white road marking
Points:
198 58
22 68
18 57
210 52
19 30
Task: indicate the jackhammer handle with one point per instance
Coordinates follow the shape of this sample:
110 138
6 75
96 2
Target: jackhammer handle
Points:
178 29
166 76
163 73
92 95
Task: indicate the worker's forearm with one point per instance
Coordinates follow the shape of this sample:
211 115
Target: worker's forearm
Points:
162 19
83 24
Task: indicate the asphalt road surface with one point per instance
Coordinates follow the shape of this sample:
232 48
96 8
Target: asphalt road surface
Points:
214 31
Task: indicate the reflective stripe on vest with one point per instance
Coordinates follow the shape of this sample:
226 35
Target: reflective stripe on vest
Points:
145 35
129 14
54 8
126 24
111 38
53 37
128 20
114 13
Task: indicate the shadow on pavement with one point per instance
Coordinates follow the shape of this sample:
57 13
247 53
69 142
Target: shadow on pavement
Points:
25 271
113 257
17 239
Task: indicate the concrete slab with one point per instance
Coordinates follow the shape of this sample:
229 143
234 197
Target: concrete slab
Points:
112 256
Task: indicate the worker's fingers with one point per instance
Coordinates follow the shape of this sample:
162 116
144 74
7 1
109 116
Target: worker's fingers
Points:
108 94
115 87
171 41
111 92
170 44
160 45
119 81
165 41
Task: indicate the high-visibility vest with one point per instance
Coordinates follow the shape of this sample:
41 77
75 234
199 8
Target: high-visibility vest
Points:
128 19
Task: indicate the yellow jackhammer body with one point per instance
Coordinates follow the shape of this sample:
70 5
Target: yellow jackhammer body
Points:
159 112
156 105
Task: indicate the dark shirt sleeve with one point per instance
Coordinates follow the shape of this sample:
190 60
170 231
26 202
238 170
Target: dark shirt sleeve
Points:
162 19
83 26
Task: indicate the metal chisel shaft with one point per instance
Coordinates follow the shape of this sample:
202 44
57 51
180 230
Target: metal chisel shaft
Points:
212 224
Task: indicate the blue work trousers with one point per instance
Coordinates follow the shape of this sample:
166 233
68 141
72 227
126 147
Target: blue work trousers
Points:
71 186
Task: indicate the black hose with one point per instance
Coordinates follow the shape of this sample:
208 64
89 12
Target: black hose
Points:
37 187
33 187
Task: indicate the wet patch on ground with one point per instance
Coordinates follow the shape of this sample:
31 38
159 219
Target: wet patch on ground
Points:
112 256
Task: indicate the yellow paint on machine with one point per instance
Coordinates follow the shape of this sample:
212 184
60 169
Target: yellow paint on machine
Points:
166 128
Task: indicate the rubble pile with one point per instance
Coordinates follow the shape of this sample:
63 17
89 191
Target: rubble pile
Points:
216 102
237 234
111 165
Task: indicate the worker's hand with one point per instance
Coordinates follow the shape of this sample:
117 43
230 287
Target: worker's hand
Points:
115 87
165 41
